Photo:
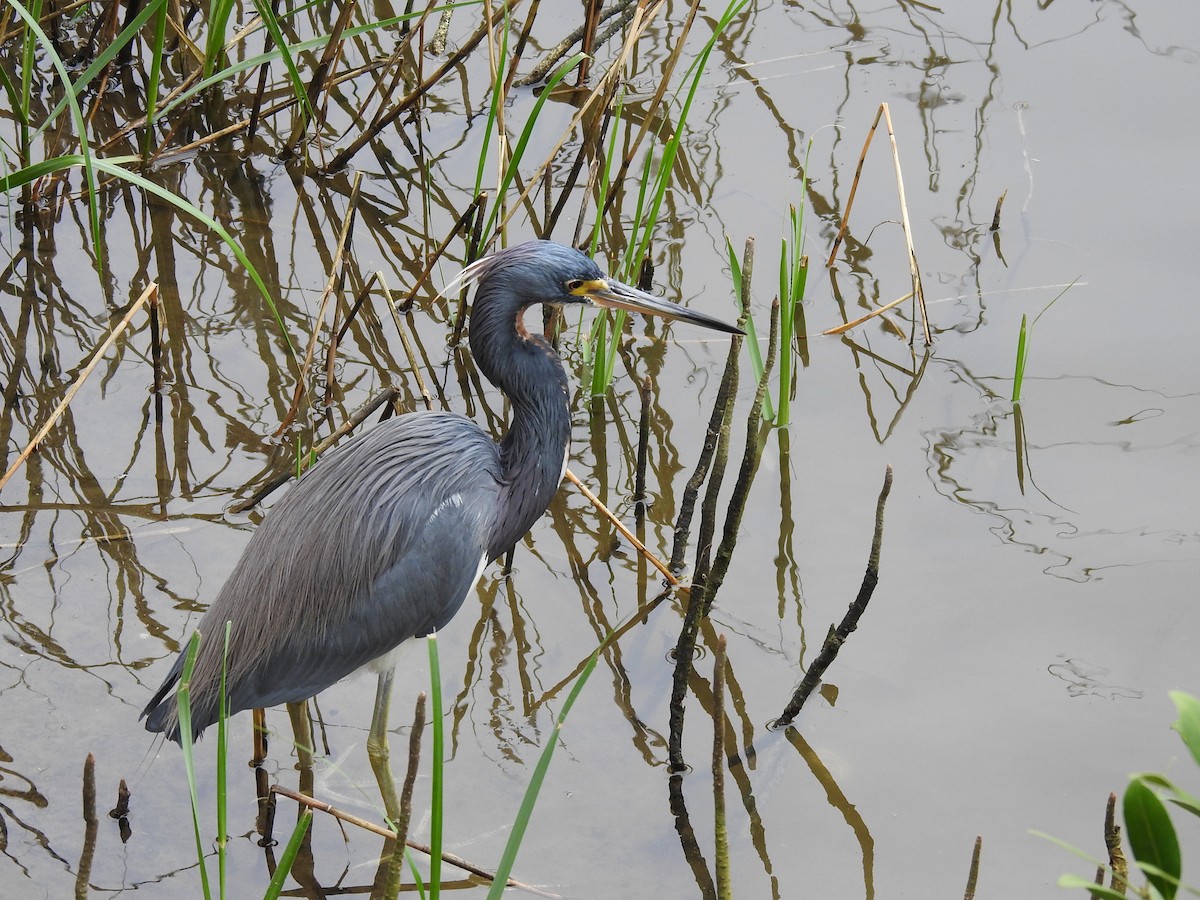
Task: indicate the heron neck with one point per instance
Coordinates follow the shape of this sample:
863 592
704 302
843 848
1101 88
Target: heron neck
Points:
533 450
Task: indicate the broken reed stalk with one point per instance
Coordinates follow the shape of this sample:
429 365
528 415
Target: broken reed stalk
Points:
716 422
837 636
263 70
973 873
603 91
918 291
915 270
396 862
98 354
387 395
709 581
472 215
639 477
996 214
332 51
862 158
337 275
383 831
620 526
384 120
559 51
413 366
91 827
842 329
1116 857
724 885
155 343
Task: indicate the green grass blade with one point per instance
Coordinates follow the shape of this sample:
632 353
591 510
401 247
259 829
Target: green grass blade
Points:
416 873
493 108
222 762
436 811
504 870
112 167
753 347
219 12
1022 350
80 127
275 888
272 26
1098 890
156 56
518 149
184 705
107 54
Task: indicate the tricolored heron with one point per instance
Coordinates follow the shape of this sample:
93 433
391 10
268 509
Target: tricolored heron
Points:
384 539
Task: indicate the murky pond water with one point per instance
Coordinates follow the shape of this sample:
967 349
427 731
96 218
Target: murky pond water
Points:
1037 593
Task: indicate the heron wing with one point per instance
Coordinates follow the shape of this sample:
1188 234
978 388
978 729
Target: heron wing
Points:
379 542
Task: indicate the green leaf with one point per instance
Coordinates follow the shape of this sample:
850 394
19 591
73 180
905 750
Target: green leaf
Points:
289 856
1188 723
1182 798
1152 836
503 871
1098 890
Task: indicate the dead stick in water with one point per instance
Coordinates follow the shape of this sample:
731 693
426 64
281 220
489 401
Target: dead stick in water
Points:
382 831
837 636
150 291
620 526
842 329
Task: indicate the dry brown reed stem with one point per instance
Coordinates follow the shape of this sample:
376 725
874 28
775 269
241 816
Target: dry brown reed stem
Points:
639 478
370 133
842 329
914 269
413 365
1112 840
150 291
263 70
556 53
973 873
387 395
383 831
996 214
122 807
396 861
655 103
469 217
393 63
837 636
91 827
862 158
337 274
155 343
437 44
329 56
721 836
640 22
716 422
619 525
918 291
708 581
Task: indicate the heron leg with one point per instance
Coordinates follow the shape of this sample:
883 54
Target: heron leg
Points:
302 731
377 746
260 738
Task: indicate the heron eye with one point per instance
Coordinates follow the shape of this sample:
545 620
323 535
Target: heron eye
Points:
574 284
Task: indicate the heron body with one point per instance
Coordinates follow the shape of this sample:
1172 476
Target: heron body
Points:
385 538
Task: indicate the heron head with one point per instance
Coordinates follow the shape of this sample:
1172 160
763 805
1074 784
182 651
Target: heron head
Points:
546 272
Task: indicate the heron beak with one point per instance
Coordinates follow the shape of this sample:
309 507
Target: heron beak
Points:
612 294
